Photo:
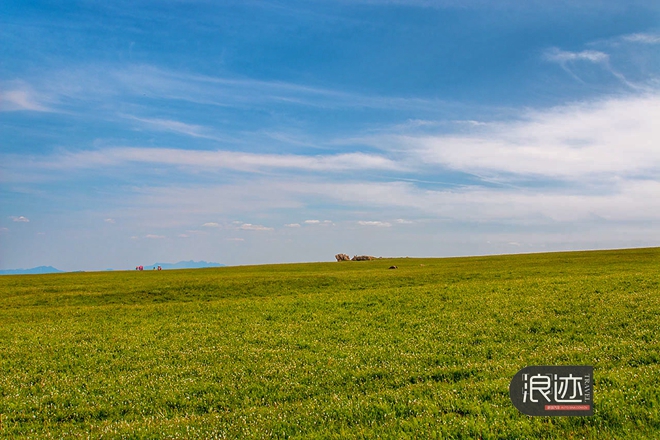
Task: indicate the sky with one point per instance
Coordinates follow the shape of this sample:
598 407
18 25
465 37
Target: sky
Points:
250 132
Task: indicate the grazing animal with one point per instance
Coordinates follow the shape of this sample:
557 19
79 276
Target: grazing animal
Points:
393 267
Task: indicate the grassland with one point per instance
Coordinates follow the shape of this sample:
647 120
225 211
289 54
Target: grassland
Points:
330 350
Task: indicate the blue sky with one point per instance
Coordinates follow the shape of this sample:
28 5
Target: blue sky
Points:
271 131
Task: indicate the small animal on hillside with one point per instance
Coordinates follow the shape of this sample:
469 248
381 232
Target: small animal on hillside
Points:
393 267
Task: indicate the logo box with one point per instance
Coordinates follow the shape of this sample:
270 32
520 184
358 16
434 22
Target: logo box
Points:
553 390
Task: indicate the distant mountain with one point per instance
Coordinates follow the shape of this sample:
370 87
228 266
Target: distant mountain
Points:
33 271
186 265
50 269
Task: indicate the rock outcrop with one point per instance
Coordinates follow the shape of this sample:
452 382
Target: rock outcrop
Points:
342 257
362 258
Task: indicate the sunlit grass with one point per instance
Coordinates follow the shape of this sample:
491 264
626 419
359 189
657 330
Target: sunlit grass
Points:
330 350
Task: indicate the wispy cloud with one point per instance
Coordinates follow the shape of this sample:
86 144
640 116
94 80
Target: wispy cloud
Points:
179 127
319 222
579 142
20 219
627 201
154 236
642 38
229 91
110 220
83 85
292 225
566 58
170 125
211 225
251 227
562 56
568 163
206 160
581 159
624 202
375 223
21 100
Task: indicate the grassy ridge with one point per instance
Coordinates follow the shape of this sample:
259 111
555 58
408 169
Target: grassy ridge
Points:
330 350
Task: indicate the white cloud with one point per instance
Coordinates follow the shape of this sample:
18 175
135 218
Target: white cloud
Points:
211 225
225 91
17 100
628 201
199 160
109 220
292 225
235 239
579 142
20 219
585 160
153 236
562 56
175 127
642 38
375 223
319 222
183 235
3 230
569 163
251 227
403 221
621 200
41 233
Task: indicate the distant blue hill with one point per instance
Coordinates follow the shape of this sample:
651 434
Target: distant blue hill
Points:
33 271
186 265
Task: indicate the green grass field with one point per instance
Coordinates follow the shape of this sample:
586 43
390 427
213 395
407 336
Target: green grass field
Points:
330 350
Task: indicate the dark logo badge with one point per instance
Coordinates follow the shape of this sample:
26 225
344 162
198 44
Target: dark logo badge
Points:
553 391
